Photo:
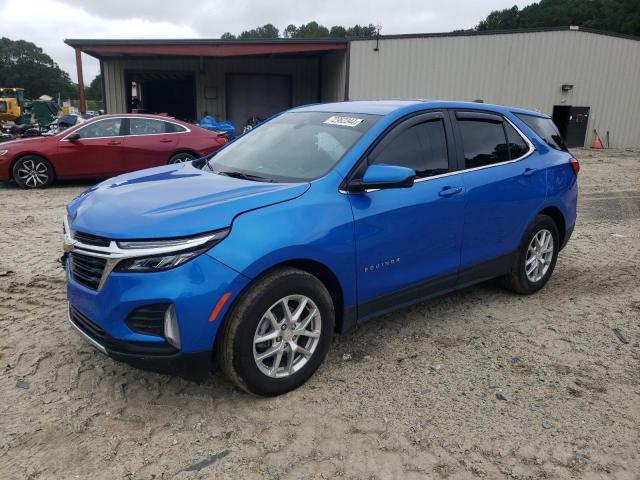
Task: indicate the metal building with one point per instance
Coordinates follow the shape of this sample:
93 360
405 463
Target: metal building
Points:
585 79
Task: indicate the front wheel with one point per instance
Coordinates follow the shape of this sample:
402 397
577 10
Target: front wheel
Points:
32 171
536 257
182 157
278 333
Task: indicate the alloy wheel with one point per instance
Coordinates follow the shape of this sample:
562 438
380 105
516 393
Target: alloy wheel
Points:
287 335
33 173
539 255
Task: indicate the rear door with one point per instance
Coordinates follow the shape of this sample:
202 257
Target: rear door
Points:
408 239
149 143
505 188
97 153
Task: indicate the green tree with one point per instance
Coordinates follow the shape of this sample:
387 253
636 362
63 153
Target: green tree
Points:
266 31
312 30
23 64
94 90
228 36
337 31
362 31
622 16
290 31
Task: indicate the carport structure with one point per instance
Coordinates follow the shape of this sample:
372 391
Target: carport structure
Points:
233 79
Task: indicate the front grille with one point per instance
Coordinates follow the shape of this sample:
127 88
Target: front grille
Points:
148 320
89 239
86 325
87 270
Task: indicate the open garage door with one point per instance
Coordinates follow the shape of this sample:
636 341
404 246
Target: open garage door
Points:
257 95
162 92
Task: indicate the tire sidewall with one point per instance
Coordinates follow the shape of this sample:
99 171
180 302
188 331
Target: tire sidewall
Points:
541 222
35 158
243 361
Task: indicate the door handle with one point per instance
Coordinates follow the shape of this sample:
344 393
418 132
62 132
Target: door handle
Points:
449 191
529 171
114 142
165 140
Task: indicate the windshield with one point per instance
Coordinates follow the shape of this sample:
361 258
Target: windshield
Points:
293 147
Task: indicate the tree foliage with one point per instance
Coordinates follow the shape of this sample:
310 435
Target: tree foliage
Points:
307 30
621 16
94 90
23 64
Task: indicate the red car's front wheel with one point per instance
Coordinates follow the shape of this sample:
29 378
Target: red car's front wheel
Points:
32 171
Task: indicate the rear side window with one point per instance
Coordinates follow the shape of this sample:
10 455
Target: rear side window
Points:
422 147
145 126
484 142
546 129
3 107
173 127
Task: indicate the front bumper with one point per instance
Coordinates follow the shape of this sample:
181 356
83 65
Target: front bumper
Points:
193 289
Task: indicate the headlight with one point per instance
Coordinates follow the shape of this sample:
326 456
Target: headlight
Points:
170 253
3 152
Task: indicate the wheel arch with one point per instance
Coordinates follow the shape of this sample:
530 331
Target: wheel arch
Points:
558 218
319 270
183 150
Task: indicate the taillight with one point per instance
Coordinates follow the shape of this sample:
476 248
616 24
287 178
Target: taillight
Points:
575 165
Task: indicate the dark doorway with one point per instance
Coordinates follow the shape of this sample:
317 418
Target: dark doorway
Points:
250 95
572 123
173 93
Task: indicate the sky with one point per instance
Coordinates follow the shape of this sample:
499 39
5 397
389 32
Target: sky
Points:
48 22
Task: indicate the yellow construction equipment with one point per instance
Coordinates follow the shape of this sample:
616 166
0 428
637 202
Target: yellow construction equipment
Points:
11 104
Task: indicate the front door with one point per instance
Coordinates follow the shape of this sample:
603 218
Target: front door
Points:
97 151
408 239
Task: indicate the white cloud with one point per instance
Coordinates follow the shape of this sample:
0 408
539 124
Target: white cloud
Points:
48 24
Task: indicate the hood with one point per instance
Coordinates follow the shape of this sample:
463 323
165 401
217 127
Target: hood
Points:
171 201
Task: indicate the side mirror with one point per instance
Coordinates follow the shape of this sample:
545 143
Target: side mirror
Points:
74 137
384 176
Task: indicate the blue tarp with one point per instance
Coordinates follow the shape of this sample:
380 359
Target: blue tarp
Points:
210 123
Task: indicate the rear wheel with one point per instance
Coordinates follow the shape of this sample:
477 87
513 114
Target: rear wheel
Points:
32 171
182 157
278 333
536 257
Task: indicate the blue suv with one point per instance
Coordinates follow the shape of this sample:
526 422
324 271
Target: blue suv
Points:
314 222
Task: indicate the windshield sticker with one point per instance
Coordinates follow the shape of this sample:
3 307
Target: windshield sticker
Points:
344 121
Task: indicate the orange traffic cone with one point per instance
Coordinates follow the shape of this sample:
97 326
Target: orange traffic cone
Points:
596 141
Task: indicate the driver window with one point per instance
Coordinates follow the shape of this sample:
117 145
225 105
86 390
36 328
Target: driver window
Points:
104 128
421 147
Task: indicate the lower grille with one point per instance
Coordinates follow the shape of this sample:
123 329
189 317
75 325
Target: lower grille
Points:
86 325
87 270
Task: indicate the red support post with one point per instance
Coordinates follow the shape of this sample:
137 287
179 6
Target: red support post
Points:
83 104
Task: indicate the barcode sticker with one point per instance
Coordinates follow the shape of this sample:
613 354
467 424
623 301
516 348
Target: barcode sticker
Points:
344 121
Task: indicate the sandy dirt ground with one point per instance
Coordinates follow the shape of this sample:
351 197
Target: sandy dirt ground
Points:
480 383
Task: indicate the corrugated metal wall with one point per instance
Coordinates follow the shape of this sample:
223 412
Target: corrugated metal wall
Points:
334 68
520 69
210 84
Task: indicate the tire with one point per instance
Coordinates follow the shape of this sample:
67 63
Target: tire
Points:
182 157
32 171
534 263
237 352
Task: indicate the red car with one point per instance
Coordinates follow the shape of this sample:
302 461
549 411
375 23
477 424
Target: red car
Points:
105 146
